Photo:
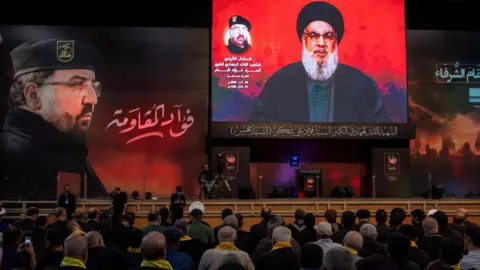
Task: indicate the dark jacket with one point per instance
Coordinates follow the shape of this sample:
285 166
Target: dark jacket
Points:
372 247
284 258
69 202
266 246
295 228
338 236
381 262
284 97
102 258
179 260
51 258
27 224
308 235
33 151
194 248
432 245
258 232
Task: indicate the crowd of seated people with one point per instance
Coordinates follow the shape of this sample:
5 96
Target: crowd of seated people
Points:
91 239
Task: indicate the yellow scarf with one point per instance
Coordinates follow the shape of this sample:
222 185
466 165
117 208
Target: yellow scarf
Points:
353 251
456 266
185 238
279 245
133 250
82 233
157 264
69 261
412 244
227 246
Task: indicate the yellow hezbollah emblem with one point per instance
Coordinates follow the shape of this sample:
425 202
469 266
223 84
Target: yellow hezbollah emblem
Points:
65 50
234 19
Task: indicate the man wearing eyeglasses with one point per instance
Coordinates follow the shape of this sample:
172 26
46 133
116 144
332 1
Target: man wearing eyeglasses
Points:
238 33
51 104
319 88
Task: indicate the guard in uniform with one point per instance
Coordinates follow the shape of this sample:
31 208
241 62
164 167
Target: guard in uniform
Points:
239 34
34 150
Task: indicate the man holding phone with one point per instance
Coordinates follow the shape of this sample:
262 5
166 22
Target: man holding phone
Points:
14 253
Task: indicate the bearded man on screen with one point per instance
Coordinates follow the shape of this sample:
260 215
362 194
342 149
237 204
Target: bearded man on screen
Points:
319 88
51 103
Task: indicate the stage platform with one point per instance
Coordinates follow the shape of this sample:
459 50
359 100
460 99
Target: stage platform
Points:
250 209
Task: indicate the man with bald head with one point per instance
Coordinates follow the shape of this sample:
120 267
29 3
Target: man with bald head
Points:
431 243
212 258
154 251
318 88
353 242
76 253
281 256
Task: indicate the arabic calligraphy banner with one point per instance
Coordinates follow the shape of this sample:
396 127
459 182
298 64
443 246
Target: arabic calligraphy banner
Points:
444 91
271 64
307 130
147 129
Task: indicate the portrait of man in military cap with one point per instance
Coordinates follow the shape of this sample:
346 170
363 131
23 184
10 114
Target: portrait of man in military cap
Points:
51 105
319 88
238 34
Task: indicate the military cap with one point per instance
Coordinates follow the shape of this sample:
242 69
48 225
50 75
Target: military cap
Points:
320 11
236 19
54 54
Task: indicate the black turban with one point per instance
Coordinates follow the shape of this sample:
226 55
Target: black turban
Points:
320 11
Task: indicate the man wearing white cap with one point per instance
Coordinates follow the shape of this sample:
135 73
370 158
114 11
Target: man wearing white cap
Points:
324 232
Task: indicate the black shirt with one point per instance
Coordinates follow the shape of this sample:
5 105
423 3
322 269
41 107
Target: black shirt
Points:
177 202
119 200
67 201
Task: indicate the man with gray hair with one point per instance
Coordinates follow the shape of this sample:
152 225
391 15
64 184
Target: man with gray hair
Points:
282 255
154 251
370 244
338 258
324 232
431 243
76 253
97 252
353 242
231 221
212 258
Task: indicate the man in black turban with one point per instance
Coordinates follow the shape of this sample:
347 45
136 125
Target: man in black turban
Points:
52 99
239 28
318 88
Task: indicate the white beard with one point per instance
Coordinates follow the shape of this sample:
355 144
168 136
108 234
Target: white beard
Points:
316 71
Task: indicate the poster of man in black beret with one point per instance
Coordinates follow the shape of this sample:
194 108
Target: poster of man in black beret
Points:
334 61
238 34
100 107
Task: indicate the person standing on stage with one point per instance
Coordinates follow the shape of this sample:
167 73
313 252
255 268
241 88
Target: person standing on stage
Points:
67 201
119 202
177 203
204 179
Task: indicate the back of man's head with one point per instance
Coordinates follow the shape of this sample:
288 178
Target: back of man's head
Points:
442 219
363 214
381 216
32 212
353 240
239 219
281 234
227 234
459 219
54 238
451 250
226 212
270 229
338 258
76 247
324 229
299 214
278 220
331 215
92 213
473 235
153 216
309 221
369 232
266 214
153 246
182 225
60 213
231 221
94 239
11 236
81 214
348 219
397 216
197 214
430 225
418 215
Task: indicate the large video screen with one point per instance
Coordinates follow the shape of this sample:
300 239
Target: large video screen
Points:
111 104
337 61
444 89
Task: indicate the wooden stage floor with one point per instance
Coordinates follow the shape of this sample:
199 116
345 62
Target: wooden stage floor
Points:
250 209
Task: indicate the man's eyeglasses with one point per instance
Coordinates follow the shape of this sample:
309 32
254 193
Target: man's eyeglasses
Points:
80 85
314 36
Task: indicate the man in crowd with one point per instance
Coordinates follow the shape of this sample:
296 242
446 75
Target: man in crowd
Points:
282 255
324 232
68 201
353 242
239 29
154 251
319 88
76 253
472 259
348 221
259 231
298 225
212 258
199 230
153 224
28 223
177 259
370 244
225 213
204 179
363 216
119 202
193 247
177 203
431 242
52 99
